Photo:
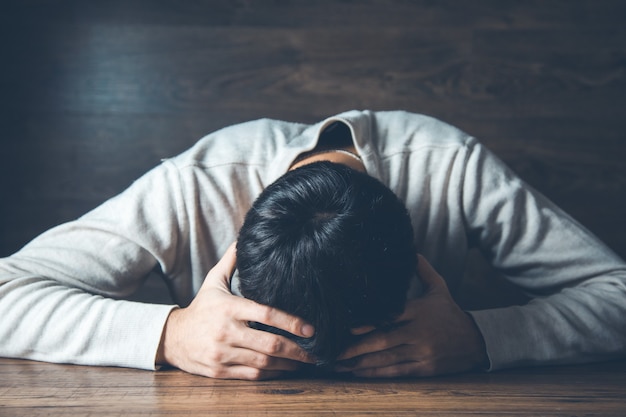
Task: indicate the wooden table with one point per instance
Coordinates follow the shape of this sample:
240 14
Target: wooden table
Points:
37 389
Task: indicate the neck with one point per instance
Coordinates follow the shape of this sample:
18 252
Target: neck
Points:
346 156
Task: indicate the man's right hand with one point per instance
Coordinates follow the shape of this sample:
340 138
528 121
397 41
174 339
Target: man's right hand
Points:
211 336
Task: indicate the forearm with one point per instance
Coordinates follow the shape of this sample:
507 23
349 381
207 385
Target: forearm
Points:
46 321
579 324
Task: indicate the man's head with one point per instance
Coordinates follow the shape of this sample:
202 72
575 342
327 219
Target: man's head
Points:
331 245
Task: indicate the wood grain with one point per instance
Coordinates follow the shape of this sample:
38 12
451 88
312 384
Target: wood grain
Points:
37 389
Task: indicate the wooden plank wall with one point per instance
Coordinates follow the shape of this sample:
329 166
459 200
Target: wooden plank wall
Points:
95 92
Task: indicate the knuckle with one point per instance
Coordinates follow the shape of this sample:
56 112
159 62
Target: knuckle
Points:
274 345
262 362
221 335
265 316
215 357
294 324
219 373
381 345
255 374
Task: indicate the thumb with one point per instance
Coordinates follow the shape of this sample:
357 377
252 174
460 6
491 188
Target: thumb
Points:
219 275
430 278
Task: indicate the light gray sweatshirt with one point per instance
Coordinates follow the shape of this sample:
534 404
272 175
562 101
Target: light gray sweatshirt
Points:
61 296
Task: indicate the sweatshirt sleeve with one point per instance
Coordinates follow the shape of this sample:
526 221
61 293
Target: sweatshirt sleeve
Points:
578 284
60 296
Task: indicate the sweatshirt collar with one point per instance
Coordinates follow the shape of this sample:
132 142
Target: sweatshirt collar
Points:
359 123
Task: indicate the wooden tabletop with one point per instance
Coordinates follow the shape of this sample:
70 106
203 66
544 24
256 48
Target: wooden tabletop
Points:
35 389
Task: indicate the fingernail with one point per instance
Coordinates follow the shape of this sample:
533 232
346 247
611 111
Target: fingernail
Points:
308 330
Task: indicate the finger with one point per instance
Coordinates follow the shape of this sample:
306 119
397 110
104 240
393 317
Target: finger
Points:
428 275
358 331
227 264
242 372
249 310
273 345
385 358
253 359
375 342
220 274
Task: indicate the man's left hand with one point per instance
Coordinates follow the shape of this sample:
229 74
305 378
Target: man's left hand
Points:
433 336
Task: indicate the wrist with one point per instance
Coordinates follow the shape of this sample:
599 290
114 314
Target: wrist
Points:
164 355
480 358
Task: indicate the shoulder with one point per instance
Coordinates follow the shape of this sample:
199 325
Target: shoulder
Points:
248 143
397 133
417 129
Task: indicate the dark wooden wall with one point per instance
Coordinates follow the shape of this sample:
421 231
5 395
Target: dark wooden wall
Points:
95 92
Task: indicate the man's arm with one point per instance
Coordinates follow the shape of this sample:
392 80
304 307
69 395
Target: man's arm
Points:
60 296
579 287
578 284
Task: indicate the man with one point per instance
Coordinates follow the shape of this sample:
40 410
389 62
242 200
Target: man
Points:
61 297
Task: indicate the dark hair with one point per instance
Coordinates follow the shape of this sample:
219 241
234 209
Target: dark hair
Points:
331 245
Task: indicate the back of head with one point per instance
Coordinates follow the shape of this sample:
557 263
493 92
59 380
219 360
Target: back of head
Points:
331 245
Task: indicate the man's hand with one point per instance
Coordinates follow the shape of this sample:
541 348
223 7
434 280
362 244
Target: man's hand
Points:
211 336
433 336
